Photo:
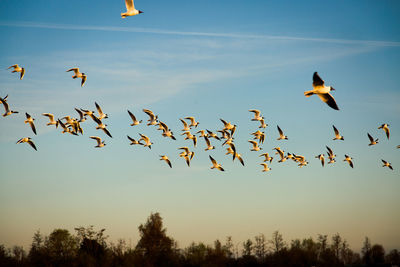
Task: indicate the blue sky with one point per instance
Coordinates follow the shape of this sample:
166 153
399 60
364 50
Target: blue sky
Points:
208 60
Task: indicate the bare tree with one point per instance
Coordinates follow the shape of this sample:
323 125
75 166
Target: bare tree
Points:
277 242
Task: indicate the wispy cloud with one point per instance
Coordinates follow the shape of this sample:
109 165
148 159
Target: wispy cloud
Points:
205 34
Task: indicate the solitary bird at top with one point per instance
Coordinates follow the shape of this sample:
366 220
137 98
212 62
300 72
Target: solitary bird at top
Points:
18 69
78 74
322 91
130 9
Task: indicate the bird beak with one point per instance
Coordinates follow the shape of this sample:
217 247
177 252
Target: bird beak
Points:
333 89
140 11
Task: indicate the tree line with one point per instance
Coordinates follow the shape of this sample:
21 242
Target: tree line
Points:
89 247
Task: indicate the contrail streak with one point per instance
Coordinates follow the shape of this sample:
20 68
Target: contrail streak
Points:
205 34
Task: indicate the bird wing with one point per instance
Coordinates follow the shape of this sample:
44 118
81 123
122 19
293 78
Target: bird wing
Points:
83 80
280 131
370 138
32 144
51 116
148 112
169 163
335 130
224 122
207 141
317 81
129 5
328 99
13 66
33 127
98 108
76 70
22 74
98 139
107 132
214 162
330 152
132 116
387 131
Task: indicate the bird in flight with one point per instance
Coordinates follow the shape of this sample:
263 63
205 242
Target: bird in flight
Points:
166 159
99 142
130 9
27 140
51 118
30 120
387 164
266 168
7 108
18 69
134 120
349 160
385 127
281 135
78 74
372 140
337 134
322 91
215 164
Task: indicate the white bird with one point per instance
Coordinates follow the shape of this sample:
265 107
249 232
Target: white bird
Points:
385 127
186 154
99 142
30 120
7 108
322 91
185 126
65 128
227 125
257 115
263 124
101 126
281 154
78 74
101 114
134 120
193 122
51 118
27 140
82 117
266 168
133 141
267 157
281 135
255 145
166 159
146 139
371 140
331 156
213 135
215 164
130 9
208 143
349 160
337 134
18 69
387 164
152 117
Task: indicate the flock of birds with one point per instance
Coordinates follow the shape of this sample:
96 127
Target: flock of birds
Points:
72 125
